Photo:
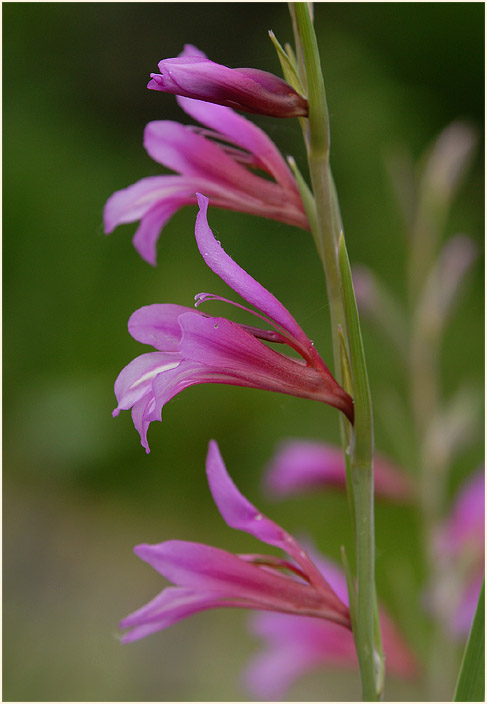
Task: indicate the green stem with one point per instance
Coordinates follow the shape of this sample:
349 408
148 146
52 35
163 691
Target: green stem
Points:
317 139
367 634
344 319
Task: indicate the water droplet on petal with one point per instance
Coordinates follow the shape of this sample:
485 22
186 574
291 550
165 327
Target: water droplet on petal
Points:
215 326
258 517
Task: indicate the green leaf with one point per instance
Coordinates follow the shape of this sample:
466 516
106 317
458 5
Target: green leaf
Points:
363 446
471 680
288 64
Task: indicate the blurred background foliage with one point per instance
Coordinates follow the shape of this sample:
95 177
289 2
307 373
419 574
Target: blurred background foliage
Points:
79 490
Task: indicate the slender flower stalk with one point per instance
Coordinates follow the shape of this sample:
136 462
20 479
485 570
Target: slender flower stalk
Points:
344 317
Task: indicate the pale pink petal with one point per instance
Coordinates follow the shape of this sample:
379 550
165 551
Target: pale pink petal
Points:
300 465
157 325
135 201
466 523
170 606
135 380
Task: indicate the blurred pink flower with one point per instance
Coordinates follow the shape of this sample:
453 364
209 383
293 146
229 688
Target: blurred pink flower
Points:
220 161
193 75
195 348
208 578
460 547
296 646
300 465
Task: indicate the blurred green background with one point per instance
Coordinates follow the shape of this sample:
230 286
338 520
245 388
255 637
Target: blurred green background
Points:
79 491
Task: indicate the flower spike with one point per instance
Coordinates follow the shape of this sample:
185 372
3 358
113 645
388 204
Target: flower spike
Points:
222 161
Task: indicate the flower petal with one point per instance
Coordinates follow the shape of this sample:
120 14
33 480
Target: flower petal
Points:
239 355
135 201
167 608
157 325
241 282
235 509
299 465
466 523
179 148
202 567
294 647
135 380
151 225
243 133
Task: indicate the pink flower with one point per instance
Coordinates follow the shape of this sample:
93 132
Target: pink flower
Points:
206 577
302 465
223 169
460 548
195 348
194 76
296 646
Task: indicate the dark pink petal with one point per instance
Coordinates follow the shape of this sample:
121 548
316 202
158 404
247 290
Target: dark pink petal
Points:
241 282
157 325
228 347
239 513
300 465
245 134
235 509
206 568
245 89
183 150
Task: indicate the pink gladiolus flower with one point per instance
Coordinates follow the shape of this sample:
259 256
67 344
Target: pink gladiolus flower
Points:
461 549
248 89
223 169
302 465
195 348
296 646
208 578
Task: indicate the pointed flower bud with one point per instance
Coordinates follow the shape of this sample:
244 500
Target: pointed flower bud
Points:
194 76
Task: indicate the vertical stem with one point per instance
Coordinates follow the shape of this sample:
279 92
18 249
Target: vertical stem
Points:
367 636
344 316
